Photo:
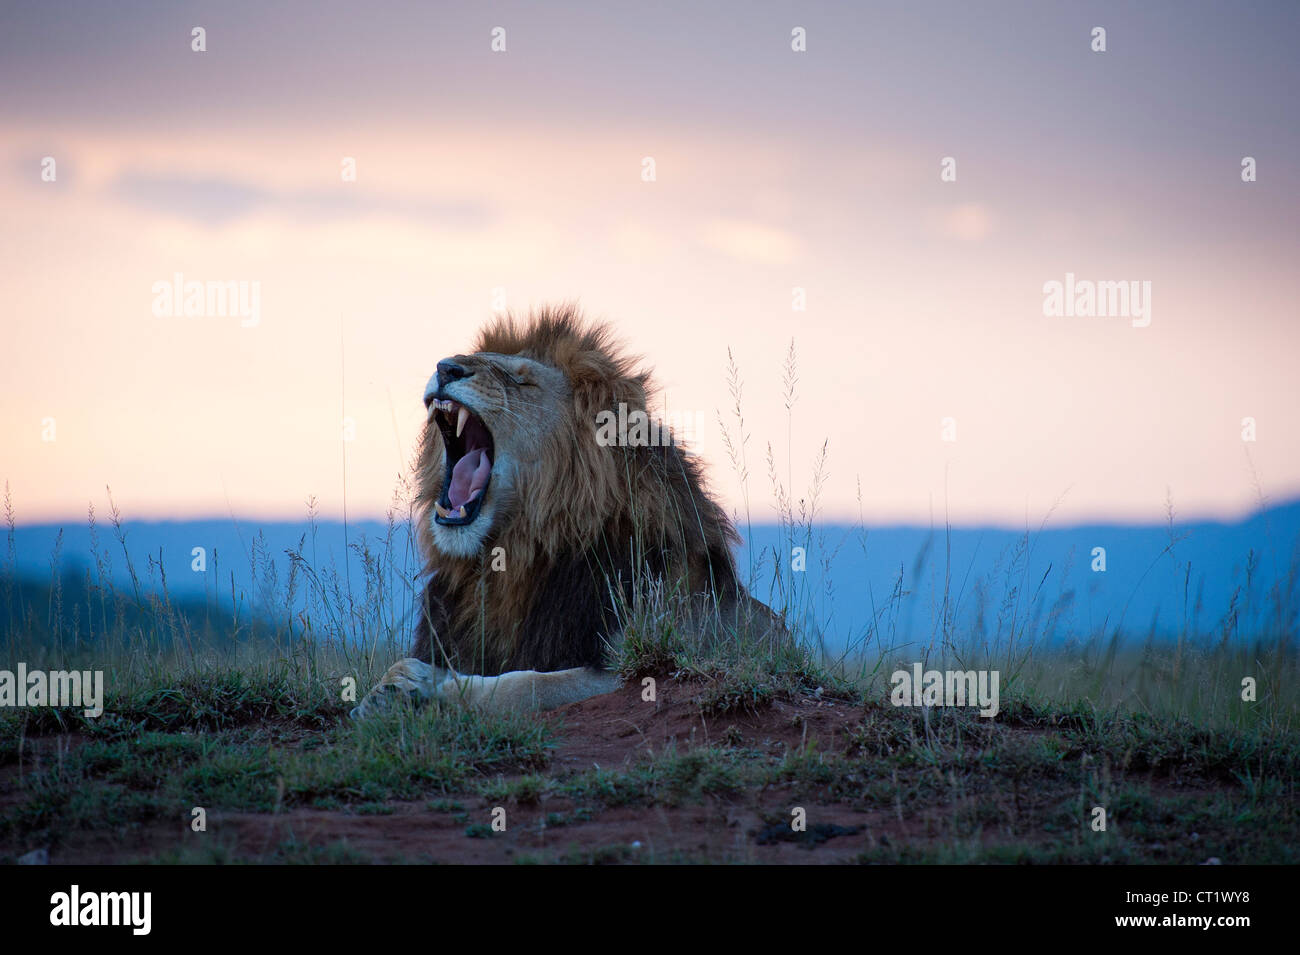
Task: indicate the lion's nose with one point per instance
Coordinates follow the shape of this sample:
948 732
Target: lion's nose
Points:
449 371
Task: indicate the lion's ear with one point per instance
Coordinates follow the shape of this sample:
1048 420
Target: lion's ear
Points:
599 383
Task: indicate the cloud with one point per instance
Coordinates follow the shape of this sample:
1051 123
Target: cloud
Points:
969 222
28 167
751 241
214 202
206 201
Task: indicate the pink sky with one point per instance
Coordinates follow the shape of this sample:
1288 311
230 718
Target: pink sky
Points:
924 297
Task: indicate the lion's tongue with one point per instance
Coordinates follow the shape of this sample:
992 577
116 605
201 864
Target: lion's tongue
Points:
468 477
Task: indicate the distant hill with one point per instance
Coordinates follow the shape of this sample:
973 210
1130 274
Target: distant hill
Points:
72 613
1213 575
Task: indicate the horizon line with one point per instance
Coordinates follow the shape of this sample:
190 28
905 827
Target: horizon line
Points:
829 521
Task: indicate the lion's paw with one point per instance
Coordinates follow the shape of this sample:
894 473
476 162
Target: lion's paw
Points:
410 679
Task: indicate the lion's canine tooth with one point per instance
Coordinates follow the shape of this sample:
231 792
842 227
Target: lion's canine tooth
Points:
442 511
462 512
461 419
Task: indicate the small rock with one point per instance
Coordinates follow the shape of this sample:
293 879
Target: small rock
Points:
1212 860
35 857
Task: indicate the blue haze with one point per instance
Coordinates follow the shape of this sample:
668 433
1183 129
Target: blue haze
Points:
1147 586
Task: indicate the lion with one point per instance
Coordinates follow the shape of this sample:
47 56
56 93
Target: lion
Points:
536 530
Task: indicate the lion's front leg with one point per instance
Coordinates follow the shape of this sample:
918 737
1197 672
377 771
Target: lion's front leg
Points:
523 691
408 679
519 691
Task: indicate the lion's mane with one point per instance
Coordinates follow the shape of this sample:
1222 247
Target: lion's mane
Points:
593 520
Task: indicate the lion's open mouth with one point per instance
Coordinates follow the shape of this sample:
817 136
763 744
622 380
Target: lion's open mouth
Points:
468 469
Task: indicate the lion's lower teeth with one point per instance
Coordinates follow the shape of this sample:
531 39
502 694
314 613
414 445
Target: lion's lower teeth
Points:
458 512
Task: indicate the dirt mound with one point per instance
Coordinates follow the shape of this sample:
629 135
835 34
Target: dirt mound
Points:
611 730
